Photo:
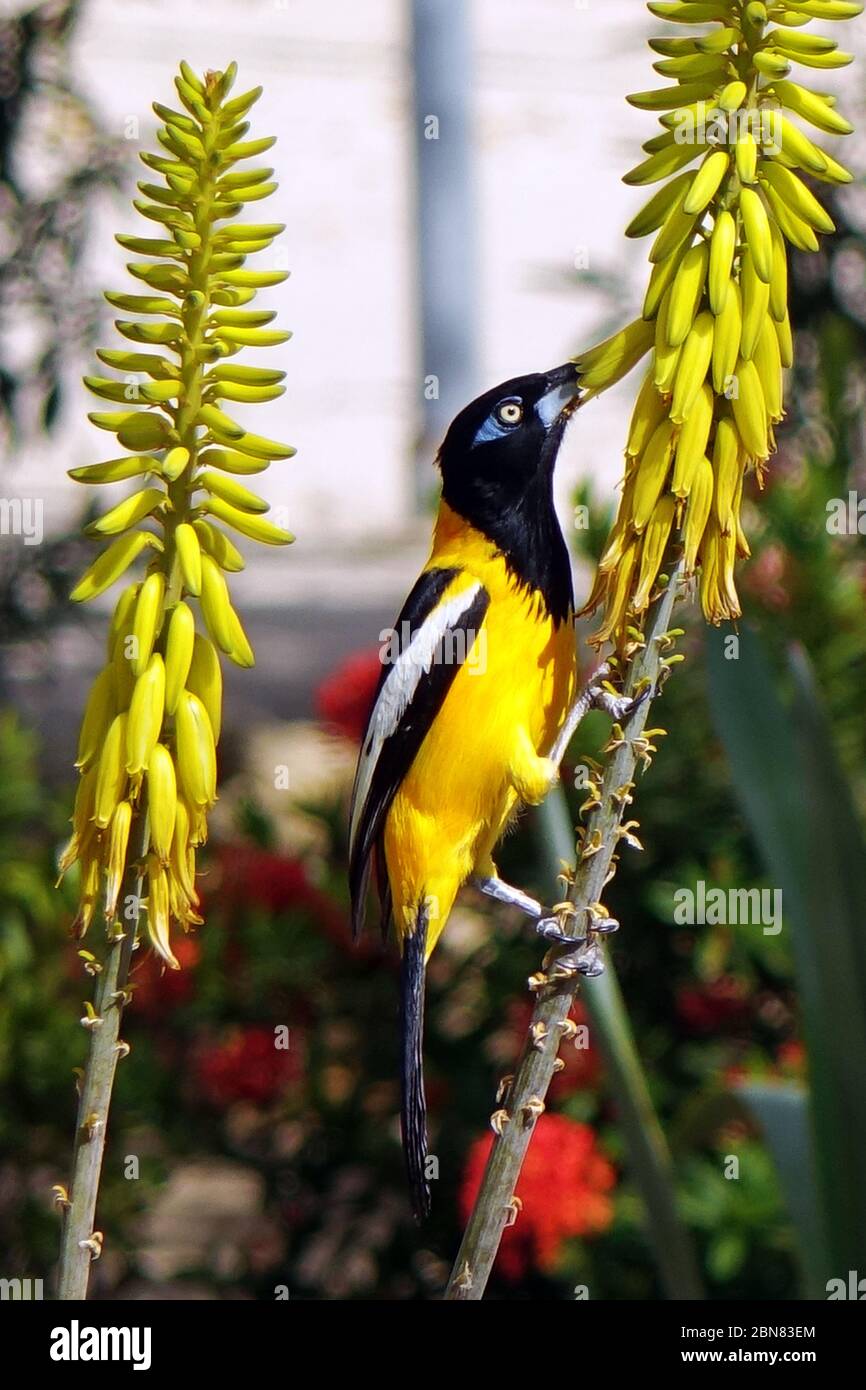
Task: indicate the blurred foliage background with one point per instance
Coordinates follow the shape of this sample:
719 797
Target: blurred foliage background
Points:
54 159
236 1169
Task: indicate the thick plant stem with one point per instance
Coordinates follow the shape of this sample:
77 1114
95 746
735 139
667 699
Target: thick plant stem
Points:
81 1243
649 1160
495 1207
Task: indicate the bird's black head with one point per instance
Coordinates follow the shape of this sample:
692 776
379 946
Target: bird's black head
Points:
497 469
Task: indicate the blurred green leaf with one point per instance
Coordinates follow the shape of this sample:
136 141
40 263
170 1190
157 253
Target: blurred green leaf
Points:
725 1255
782 1113
648 1154
800 809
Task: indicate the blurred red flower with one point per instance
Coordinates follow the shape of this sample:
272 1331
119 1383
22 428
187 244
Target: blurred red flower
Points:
791 1057
245 876
563 1186
709 1008
582 1067
249 876
261 878
247 1065
156 990
769 577
734 1075
344 699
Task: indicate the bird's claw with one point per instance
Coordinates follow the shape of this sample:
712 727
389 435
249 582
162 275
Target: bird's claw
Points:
605 925
620 707
550 930
586 960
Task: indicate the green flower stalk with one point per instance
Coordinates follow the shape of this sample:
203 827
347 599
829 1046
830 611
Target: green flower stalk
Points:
147 748
153 717
715 317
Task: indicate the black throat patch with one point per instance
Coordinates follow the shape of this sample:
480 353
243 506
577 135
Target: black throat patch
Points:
526 531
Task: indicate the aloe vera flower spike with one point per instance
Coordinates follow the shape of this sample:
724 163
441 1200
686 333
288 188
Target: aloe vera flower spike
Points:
151 726
715 318
154 713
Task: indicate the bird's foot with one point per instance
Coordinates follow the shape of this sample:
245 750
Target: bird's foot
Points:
619 707
583 954
596 694
584 958
550 929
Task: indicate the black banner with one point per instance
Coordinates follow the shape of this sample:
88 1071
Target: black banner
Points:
61 1340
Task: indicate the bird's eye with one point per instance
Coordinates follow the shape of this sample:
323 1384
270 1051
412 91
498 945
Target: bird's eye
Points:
510 413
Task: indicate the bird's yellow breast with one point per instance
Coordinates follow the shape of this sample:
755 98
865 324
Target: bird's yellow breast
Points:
515 686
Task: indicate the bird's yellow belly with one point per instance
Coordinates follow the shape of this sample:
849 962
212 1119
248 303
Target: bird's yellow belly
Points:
516 684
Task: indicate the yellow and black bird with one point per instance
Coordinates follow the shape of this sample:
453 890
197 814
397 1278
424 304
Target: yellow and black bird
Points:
477 682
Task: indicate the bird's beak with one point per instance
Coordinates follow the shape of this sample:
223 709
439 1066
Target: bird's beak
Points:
562 396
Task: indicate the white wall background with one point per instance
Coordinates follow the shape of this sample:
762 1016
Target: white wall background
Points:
553 137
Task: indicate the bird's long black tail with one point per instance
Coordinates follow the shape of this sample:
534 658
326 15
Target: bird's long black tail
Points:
413 1112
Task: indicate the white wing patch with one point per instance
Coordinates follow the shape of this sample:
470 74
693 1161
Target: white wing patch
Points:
400 685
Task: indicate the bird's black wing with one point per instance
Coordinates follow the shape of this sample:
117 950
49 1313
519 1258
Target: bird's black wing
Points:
423 657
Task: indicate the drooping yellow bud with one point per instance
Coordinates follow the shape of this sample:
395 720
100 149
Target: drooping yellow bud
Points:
196 756
159 912
146 711
111 773
178 653
205 680
98 714
118 841
161 801
147 620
